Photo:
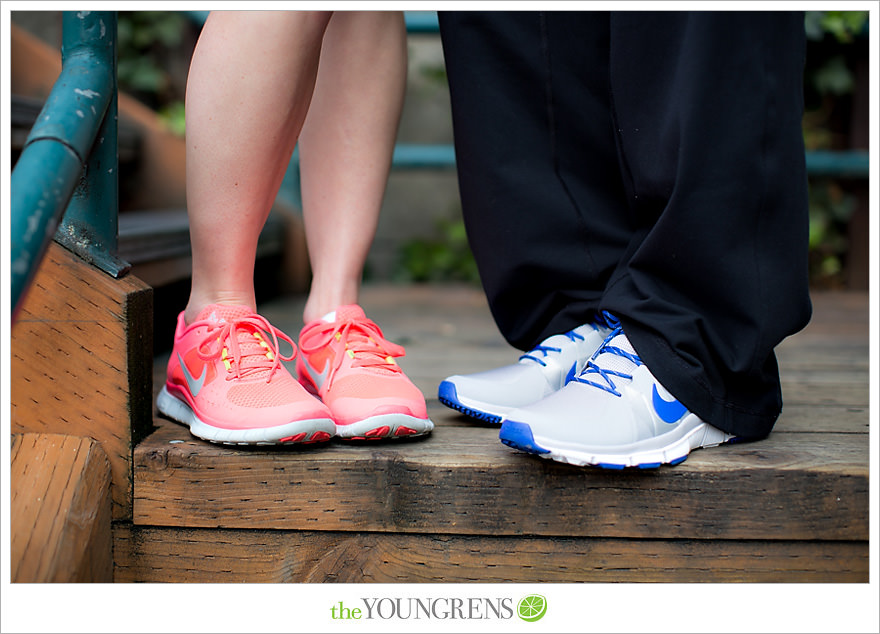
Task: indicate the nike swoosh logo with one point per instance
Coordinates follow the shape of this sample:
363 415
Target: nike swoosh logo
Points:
194 385
668 411
317 379
572 372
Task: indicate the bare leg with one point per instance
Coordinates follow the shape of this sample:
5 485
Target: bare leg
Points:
346 147
250 84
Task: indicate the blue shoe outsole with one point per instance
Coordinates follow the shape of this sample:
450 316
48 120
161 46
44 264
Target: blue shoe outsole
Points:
449 397
519 436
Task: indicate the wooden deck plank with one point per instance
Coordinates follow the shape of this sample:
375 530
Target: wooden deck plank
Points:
226 556
806 417
465 481
796 502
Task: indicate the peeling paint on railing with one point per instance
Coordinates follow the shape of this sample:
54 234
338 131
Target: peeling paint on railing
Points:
66 173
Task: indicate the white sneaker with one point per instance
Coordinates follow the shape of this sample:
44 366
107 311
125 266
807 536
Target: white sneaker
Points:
489 395
615 414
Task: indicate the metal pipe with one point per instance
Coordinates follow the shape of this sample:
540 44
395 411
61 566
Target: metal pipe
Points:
57 149
841 164
90 226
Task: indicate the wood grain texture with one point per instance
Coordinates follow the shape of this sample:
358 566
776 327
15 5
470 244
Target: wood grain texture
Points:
226 556
81 361
60 509
462 480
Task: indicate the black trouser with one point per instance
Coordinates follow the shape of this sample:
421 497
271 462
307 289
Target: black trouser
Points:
647 164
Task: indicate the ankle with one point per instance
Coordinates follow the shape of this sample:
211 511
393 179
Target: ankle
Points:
318 306
198 303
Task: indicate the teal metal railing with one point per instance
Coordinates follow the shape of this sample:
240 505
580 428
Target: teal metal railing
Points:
65 182
838 164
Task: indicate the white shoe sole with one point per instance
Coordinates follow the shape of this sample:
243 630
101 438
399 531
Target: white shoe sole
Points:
296 432
385 426
671 449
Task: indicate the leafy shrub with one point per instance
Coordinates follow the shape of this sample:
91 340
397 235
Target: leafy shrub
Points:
444 257
152 60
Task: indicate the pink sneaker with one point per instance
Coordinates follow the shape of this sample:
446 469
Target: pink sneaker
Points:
347 361
226 382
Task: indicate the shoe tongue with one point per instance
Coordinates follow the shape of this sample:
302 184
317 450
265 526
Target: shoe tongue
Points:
622 341
346 313
219 313
253 355
353 312
612 359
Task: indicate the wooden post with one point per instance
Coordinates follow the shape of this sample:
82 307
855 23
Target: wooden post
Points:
81 365
858 255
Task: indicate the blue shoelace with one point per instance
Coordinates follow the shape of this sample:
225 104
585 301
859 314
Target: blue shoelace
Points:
545 350
606 348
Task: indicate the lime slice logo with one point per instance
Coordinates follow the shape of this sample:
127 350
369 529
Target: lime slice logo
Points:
532 608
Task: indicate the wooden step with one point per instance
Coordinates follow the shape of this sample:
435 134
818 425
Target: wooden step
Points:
80 361
457 505
60 510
